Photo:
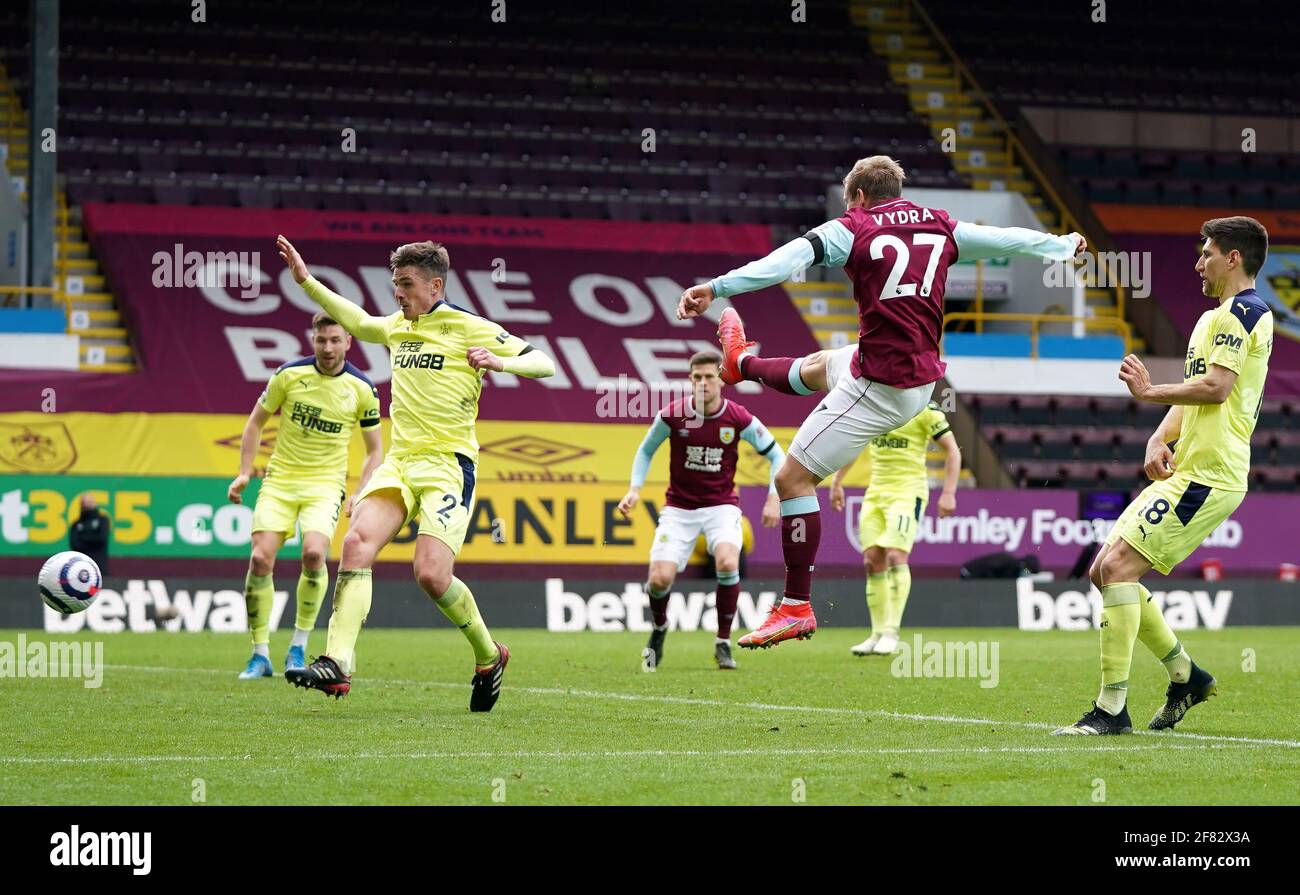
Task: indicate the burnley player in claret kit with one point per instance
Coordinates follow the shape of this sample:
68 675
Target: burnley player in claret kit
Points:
704 433
897 254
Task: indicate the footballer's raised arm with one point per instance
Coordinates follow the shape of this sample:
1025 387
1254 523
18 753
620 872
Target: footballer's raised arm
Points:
349 316
976 242
827 245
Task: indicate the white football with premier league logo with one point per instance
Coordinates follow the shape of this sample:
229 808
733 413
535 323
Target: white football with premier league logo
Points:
69 581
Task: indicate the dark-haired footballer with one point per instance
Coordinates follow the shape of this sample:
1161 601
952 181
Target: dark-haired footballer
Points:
440 354
1196 485
704 433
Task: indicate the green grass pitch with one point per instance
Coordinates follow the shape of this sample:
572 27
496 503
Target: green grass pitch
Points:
579 722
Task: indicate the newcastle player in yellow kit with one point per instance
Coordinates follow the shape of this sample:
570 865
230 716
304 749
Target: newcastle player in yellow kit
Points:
891 514
440 354
1196 485
321 399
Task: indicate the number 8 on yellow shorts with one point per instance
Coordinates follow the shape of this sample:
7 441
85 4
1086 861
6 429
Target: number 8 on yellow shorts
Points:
436 487
1171 518
890 520
314 506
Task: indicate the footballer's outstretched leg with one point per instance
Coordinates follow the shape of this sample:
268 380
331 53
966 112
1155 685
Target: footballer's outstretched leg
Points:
434 562
801 529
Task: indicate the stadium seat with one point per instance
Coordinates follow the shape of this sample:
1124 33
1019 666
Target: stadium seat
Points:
1113 413
1057 450
1213 195
1097 446
1035 410
1142 191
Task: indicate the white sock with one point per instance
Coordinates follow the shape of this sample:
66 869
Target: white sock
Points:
726 640
1180 667
787 601
262 649
299 637
663 627
1111 699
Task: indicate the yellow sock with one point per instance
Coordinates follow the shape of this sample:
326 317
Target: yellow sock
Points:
351 606
459 607
259 593
312 585
1121 616
1157 636
878 601
900 577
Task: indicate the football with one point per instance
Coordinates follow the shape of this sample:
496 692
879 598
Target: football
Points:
69 581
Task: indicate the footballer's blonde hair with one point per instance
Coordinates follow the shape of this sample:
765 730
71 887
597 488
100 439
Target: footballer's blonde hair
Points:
878 176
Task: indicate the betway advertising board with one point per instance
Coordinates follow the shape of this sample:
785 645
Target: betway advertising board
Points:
568 605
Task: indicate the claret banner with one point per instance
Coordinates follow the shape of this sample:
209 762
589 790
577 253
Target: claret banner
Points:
213 311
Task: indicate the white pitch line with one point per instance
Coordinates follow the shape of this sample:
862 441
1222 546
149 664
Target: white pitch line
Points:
642 753
768 707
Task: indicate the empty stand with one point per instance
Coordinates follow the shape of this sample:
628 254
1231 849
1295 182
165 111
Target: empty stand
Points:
1077 442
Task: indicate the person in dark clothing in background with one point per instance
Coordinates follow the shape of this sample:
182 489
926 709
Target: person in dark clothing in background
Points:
89 534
